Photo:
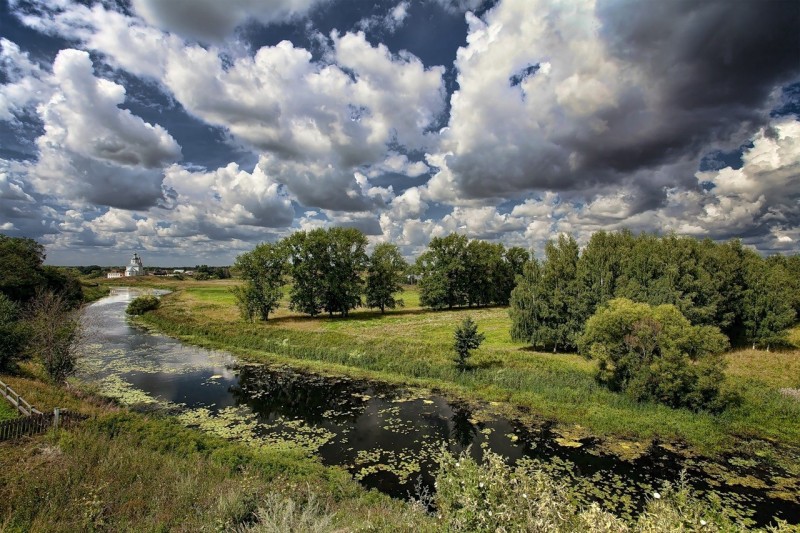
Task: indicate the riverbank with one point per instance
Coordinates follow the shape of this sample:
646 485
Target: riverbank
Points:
121 470
412 346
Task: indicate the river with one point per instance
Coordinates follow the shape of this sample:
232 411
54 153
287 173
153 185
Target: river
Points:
387 437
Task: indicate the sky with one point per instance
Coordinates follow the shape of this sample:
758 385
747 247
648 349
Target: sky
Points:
191 130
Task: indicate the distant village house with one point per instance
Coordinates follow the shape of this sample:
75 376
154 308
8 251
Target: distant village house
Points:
135 268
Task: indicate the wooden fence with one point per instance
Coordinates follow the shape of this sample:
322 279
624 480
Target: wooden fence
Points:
33 421
38 423
17 401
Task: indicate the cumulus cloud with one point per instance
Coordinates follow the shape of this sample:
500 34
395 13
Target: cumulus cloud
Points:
214 20
26 81
92 149
232 197
608 94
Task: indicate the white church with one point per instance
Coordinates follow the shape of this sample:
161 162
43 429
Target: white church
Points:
135 268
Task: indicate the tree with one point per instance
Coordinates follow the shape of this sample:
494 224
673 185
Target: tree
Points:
326 268
467 339
385 277
20 267
55 332
347 252
560 322
12 332
527 304
654 353
767 304
442 271
263 270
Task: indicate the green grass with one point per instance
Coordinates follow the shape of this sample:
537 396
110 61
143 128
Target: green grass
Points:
413 346
7 411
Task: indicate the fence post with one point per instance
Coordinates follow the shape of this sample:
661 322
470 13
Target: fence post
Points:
56 415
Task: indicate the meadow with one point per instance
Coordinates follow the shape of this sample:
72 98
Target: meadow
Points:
413 346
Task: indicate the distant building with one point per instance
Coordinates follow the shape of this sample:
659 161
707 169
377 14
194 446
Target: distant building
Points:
135 268
115 274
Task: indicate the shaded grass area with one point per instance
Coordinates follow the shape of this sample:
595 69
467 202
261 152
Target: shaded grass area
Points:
7 411
122 471
413 346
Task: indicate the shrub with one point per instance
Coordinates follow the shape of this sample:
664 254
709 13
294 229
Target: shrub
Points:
466 339
654 353
142 304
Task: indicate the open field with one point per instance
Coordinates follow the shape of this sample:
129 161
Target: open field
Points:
413 346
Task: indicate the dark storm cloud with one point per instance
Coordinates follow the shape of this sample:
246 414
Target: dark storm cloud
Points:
681 79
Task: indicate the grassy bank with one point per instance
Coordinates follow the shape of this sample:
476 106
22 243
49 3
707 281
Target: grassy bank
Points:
413 346
7 410
123 471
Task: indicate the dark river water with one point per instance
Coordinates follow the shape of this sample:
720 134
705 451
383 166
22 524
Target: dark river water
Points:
388 438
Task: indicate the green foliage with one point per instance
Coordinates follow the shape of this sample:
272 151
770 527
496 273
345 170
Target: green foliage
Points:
723 285
654 353
12 333
325 269
545 308
527 303
493 496
142 304
455 271
385 277
768 299
466 339
20 267
263 269
54 334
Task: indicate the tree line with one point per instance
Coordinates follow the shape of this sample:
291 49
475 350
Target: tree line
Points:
330 272
455 272
749 298
326 268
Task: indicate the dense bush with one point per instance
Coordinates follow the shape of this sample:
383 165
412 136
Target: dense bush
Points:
142 304
54 334
654 353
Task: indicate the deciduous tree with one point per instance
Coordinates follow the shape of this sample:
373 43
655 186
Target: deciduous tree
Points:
385 277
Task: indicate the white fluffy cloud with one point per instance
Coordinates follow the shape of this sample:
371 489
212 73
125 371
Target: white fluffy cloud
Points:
92 149
27 82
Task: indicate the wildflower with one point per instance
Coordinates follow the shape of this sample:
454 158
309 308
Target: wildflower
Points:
657 496
524 495
457 464
480 484
490 513
703 522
